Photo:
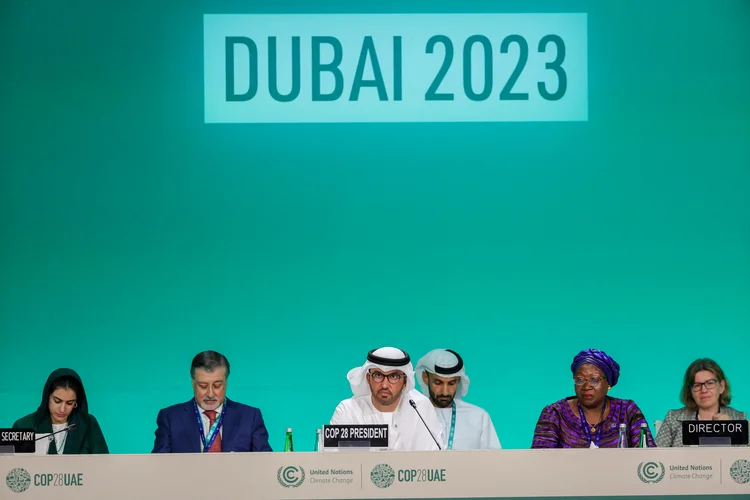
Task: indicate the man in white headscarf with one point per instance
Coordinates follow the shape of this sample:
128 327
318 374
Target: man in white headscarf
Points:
383 394
442 375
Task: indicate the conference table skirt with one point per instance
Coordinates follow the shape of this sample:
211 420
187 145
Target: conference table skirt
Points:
582 473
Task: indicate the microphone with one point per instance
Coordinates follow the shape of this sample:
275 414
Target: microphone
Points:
414 405
49 436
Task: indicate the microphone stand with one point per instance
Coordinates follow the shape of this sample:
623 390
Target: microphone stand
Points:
414 405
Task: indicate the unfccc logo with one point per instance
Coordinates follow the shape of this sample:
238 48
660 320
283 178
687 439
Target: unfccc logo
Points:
290 476
651 472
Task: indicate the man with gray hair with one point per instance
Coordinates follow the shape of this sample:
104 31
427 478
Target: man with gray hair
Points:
210 422
442 375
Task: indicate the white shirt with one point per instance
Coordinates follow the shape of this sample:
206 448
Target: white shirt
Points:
207 423
474 429
60 438
405 430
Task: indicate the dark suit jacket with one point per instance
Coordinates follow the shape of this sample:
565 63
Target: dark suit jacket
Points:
177 429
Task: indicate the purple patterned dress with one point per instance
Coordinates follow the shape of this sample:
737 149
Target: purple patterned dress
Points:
560 427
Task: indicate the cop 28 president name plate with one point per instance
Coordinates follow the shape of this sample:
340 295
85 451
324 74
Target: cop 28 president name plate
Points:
297 68
355 436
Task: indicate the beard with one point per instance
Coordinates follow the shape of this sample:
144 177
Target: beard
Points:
385 397
441 401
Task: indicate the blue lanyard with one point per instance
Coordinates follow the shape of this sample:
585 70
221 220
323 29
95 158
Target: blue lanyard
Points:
214 431
585 425
453 425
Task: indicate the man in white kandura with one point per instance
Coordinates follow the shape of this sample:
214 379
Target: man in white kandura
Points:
442 375
383 394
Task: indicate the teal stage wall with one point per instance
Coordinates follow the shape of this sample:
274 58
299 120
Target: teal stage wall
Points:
135 235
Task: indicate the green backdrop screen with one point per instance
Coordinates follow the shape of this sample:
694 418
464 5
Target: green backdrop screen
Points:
134 234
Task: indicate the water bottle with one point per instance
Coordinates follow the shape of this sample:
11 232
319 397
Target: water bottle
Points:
289 444
317 439
622 439
643 441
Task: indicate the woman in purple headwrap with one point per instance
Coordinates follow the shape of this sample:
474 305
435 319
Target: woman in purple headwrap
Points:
591 418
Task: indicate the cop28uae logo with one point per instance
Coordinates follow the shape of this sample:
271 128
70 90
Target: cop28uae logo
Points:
290 476
382 475
740 471
18 480
651 472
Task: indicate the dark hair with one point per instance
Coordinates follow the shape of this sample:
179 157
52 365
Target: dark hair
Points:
699 365
209 361
66 382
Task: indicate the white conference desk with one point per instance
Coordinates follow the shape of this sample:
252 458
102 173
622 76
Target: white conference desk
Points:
607 473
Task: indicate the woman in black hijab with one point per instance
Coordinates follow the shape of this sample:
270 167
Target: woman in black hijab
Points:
64 405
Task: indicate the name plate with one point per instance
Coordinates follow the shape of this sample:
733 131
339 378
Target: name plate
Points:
714 433
17 440
355 436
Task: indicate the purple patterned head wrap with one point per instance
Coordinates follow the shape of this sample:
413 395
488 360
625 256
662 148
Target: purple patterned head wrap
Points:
601 360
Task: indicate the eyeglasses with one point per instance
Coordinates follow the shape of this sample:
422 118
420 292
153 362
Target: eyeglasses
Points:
708 384
593 381
393 378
